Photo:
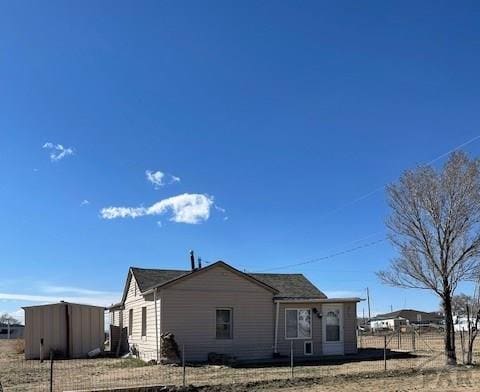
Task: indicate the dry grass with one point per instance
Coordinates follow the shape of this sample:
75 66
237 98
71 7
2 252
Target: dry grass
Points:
19 346
16 374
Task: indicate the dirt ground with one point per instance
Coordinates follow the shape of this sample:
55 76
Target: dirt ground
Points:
16 374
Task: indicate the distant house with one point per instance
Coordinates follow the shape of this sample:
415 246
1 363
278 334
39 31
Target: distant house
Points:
12 331
219 309
403 317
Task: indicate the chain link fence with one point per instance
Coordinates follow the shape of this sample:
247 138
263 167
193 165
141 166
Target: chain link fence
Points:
398 351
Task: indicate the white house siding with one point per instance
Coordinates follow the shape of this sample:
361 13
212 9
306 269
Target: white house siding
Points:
284 344
189 312
145 345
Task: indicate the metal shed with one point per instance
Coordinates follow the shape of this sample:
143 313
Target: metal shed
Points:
69 330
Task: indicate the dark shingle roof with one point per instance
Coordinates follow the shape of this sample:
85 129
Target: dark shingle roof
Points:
291 285
288 285
148 278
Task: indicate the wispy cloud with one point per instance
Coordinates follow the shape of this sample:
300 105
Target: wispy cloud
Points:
186 208
105 299
51 289
159 179
222 210
57 151
84 202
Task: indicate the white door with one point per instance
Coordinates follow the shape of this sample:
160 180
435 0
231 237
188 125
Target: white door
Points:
332 329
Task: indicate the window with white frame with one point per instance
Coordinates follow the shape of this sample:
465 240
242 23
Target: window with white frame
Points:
298 323
144 321
332 325
130 322
224 323
308 348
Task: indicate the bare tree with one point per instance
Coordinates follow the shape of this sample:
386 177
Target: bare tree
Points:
5 318
460 304
467 308
434 225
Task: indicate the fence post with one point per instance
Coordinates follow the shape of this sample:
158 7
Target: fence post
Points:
414 348
385 353
183 365
398 339
291 357
51 371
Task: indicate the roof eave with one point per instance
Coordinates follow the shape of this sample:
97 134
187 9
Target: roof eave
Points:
319 300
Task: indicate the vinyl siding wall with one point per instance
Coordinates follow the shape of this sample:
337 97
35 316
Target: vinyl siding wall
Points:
189 312
350 327
349 330
146 345
298 344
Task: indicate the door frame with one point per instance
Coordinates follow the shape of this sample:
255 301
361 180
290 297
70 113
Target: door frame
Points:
338 347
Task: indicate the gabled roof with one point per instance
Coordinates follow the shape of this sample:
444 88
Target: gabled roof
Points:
282 285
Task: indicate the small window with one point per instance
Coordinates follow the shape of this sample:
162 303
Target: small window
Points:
332 327
130 322
144 321
308 348
298 323
224 328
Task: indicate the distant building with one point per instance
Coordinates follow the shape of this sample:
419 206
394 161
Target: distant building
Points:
12 331
403 317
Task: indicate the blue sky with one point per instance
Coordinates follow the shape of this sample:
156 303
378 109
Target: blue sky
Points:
273 119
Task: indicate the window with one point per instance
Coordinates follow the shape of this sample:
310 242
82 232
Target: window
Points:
298 323
224 328
308 348
332 325
144 321
130 322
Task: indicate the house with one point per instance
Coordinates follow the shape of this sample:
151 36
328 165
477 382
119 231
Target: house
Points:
403 317
219 309
11 331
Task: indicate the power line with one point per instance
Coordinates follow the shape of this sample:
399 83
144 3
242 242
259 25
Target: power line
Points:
330 256
378 189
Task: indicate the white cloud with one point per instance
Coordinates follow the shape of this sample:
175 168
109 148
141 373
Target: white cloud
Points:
159 179
57 151
103 299
84 202
186 208
50 289
155 177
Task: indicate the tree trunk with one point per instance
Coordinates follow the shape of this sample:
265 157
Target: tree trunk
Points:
470 353
449 331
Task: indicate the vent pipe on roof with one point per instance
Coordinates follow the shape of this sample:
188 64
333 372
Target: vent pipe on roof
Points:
192 260
199 263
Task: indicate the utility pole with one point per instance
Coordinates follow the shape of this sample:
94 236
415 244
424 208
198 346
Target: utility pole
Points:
368 302
8 328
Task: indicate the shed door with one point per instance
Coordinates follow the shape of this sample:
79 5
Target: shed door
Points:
332 329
